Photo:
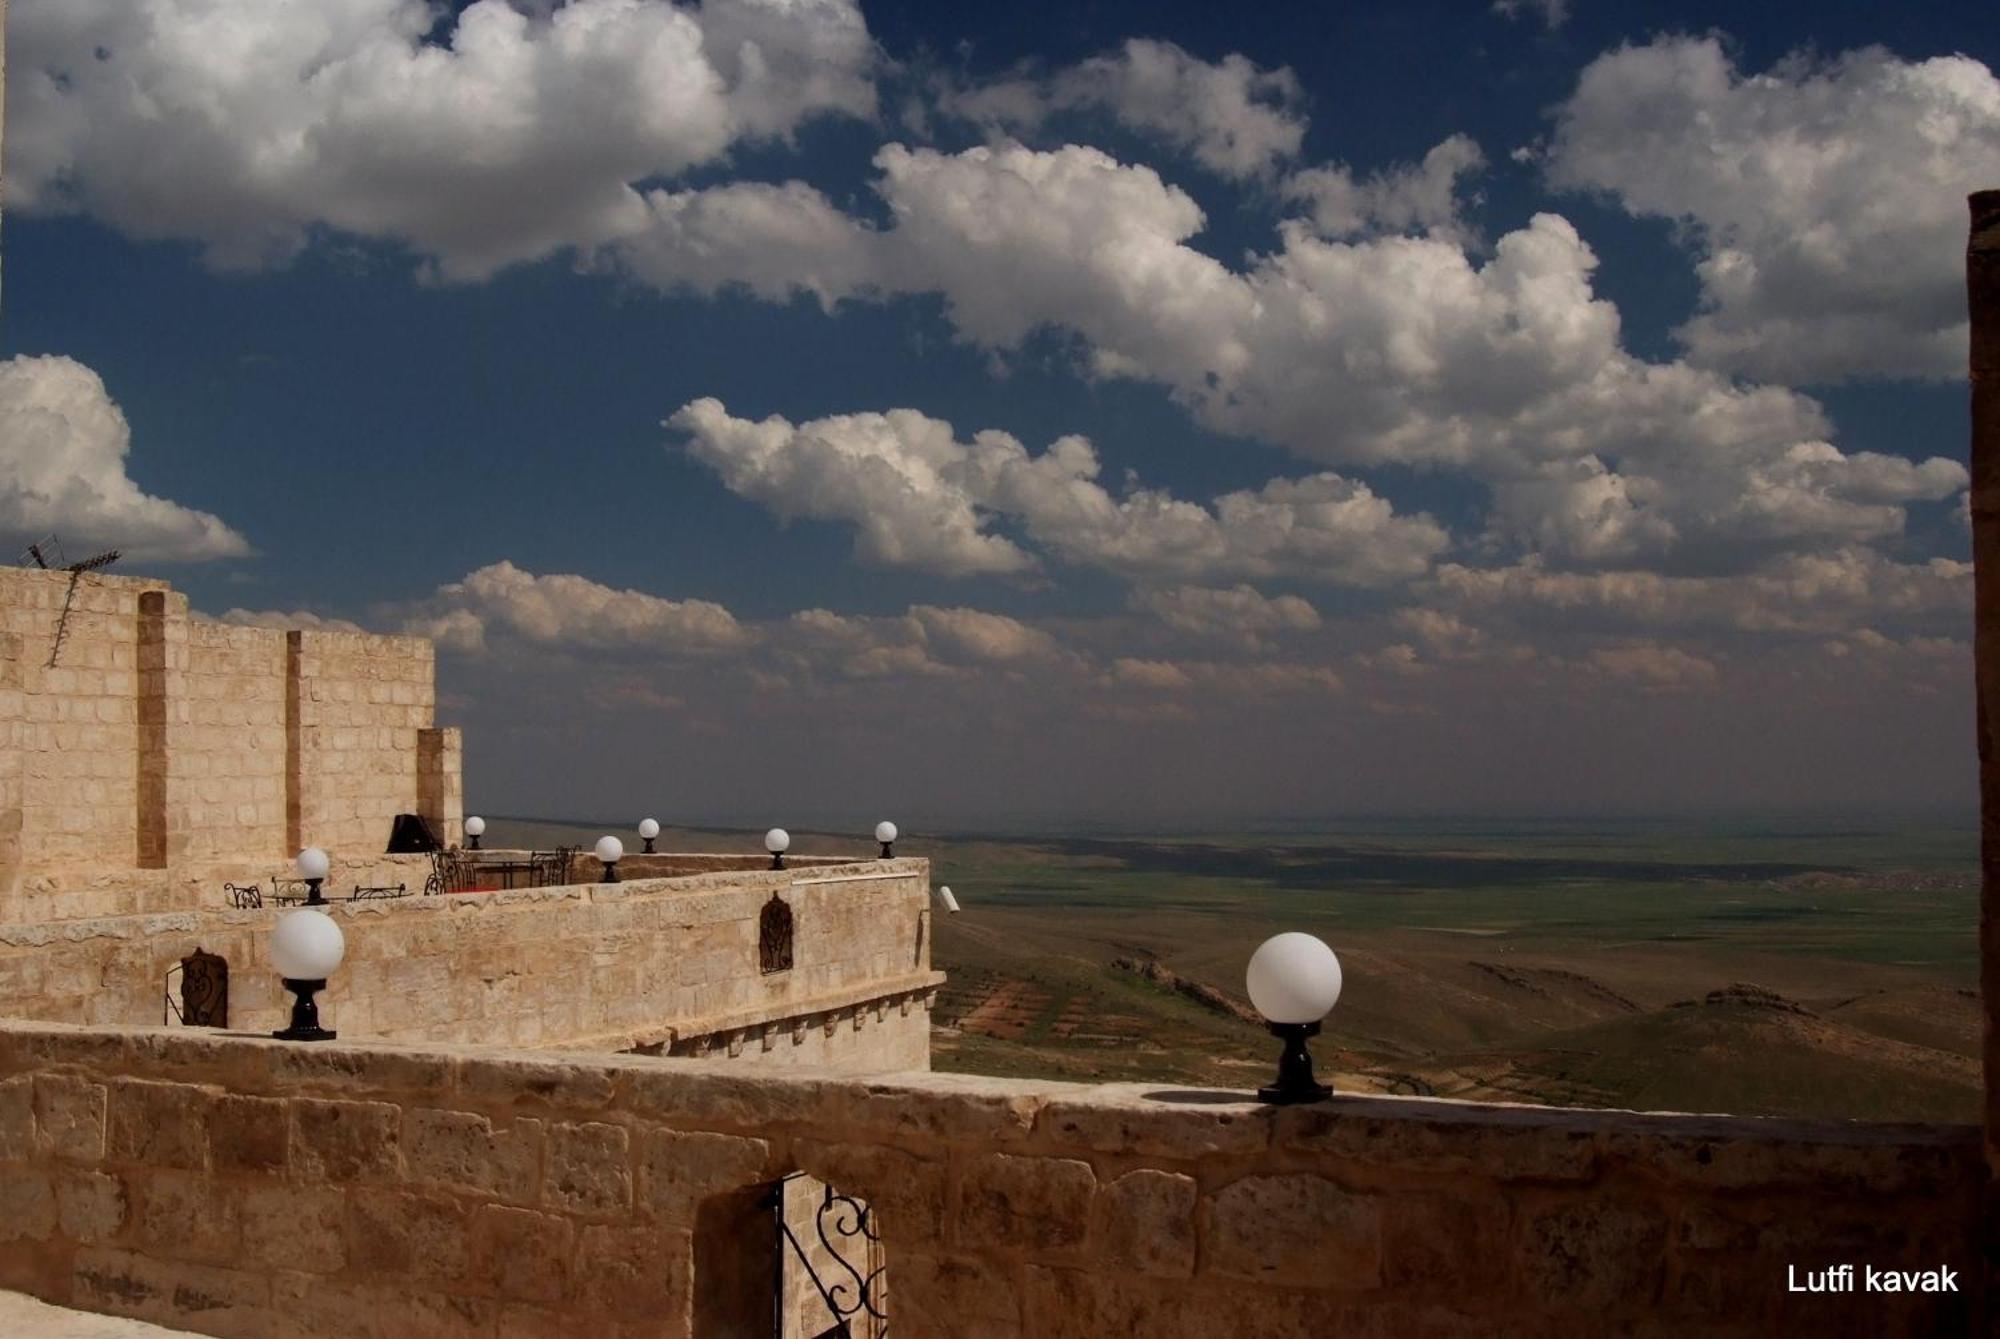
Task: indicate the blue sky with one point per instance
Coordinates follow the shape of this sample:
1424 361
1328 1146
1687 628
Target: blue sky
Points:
1545 410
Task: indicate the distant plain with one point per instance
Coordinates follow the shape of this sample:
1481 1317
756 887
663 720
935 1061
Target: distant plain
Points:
1806 968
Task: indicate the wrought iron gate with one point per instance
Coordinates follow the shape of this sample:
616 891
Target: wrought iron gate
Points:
203 979
839 1252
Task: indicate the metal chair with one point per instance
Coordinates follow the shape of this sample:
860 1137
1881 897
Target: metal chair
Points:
366 892
288 892
243 897
451 872
552 869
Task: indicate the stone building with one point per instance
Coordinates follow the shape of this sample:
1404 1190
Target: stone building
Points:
155 762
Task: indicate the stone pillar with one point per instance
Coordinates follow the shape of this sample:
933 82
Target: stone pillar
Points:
163 721
302 790
441 782
1982 285
11 742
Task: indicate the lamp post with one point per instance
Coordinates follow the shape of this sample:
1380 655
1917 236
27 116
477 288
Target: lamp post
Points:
885 832
649 829
777 841
306 948
313 865
609 852
1294 980
475 828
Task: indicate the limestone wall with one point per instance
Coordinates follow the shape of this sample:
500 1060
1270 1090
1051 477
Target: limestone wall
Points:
359 703
231 754
147 739
243 1187
78 718
659 963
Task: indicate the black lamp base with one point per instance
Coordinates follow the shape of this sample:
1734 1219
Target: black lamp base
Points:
888 850
649 847
305 1013
472 842
777 860
313 895
611 872
1295 1068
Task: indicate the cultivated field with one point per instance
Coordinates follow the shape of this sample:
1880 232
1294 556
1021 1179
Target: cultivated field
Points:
1823 970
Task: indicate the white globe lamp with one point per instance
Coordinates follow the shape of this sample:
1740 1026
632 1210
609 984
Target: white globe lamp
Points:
609 852
306 947
885 832
1294 980
313 866
777 841
475 828
649 828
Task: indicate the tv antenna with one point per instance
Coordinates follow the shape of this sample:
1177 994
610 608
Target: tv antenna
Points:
47 555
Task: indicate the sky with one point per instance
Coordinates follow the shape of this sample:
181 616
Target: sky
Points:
1002 417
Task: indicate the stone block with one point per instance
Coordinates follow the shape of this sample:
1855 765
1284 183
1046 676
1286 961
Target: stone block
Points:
90 1206
248 1134
1459 1242
17 1119
1079 1303
1413 1136
977 1297
69 1117
630 1273
397 1233
1595 1252
27 1204
520 1254
346 1141
1712 1155
679 1169
1025 1203
363 1309
1145 1222
589 1168
462 1151
1295 1229
905 1193
157 1124
173 1292
186 1216
360 1068
295 1227
1124 1119
567 1084
942 1106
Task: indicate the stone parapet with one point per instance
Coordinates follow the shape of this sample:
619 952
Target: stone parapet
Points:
634 963
237 1186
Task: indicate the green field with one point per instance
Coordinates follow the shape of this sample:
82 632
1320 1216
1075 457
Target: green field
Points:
1821 968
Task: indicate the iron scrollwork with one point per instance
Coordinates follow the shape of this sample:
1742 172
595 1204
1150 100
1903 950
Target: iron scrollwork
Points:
841 1220
204 990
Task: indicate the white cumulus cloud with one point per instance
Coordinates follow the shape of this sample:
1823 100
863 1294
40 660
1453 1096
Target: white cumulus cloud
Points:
1826 198
64 445
920 498
244 125
572 612
1236 613
1233 117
